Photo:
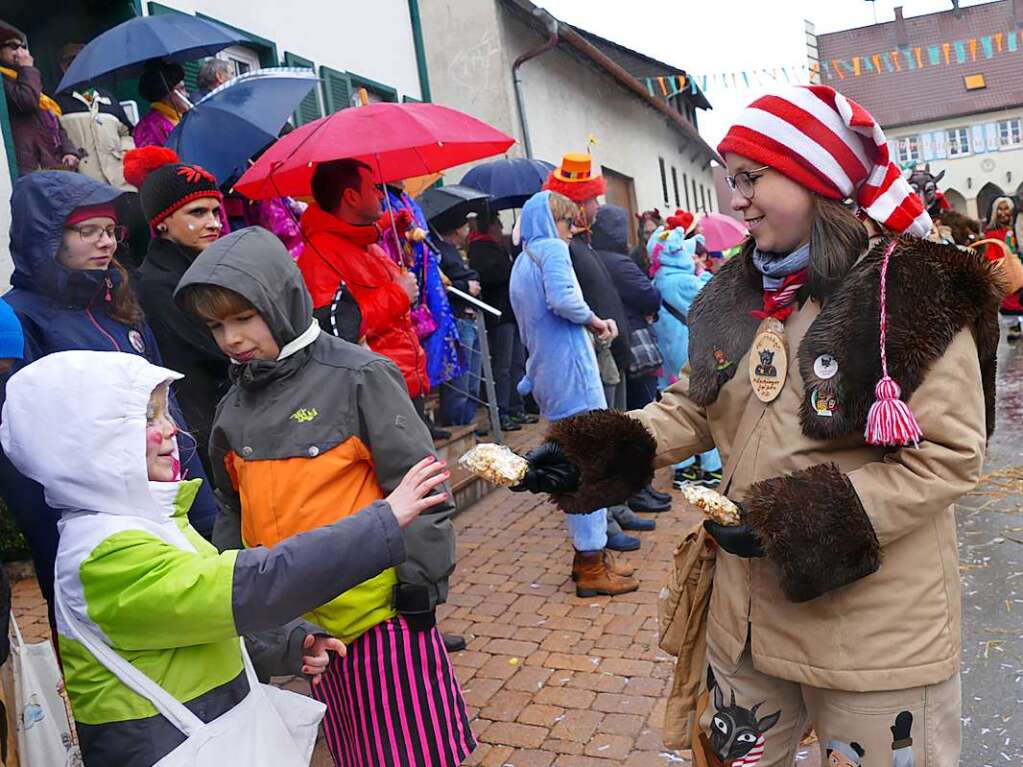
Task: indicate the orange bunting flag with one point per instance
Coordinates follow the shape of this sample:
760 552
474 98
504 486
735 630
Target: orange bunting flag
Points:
999 36
895 60
815 71
838 68
919 58
876 59
947 49
681 82
664 88
856 66
973 48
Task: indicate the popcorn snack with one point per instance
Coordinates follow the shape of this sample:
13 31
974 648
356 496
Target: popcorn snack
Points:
713 504
495 463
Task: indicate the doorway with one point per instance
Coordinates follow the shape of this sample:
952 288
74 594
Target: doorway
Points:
621 191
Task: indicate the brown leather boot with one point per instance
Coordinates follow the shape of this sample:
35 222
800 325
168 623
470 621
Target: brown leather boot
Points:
595 574
617 566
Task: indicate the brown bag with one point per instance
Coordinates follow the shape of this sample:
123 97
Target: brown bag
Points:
1011 266
682 608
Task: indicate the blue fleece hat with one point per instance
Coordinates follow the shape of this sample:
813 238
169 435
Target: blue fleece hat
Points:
12 342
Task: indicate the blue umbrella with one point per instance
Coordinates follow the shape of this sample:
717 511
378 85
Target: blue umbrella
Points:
244 115
124 50
509 181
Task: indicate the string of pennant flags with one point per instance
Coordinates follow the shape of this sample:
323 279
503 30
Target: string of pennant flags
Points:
898 59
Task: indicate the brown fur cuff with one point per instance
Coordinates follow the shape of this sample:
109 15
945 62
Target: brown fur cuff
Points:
813 527
614 454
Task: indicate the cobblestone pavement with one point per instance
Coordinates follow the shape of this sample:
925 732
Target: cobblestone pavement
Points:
552 679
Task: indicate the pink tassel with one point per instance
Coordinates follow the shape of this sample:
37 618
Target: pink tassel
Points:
890 421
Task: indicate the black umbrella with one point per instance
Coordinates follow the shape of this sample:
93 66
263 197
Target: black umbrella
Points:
446 207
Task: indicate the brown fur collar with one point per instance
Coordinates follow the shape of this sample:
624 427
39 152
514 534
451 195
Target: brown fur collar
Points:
614 454
934 291
813 527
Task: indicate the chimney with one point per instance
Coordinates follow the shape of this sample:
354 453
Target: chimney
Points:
901 35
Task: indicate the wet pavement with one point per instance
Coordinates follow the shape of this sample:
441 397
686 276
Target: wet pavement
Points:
991 564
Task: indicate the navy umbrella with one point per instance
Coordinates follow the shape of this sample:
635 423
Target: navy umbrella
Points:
509 181
244 115
124 50
446 207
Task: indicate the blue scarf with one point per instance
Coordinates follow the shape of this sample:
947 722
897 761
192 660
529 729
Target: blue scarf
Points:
776 267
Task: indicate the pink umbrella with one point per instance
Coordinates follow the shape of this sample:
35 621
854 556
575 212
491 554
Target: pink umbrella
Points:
722 232
396 140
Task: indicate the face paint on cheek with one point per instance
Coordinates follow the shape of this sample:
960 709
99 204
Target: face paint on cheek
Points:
154 436
191 227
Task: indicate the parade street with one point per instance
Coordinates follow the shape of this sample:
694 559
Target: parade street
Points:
552 679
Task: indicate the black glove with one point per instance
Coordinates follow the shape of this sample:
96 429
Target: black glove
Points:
902 728
739 540
549 471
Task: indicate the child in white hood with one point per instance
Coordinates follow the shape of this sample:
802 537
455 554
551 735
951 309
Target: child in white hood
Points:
132 575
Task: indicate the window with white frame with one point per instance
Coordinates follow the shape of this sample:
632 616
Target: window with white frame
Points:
1010 133
907 150
957 141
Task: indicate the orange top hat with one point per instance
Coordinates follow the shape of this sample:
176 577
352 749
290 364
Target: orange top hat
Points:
574 178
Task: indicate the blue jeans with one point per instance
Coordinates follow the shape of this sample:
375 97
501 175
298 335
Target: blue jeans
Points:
588 531
459 397
709 461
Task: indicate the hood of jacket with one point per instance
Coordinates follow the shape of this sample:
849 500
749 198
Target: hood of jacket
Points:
40 204
254 263
75 422
610 229
537 222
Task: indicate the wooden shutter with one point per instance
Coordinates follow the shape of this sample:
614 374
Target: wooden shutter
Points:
337 90
309 109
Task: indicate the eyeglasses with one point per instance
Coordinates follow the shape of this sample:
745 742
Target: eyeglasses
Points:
15 45
743 182
92 233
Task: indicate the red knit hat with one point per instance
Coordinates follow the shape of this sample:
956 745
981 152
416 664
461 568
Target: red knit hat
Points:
832 146
105 210
574 178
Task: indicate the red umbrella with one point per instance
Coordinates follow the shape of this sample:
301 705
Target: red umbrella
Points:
396 140
721 232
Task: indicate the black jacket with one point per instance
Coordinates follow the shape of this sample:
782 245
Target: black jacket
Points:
600 293
186 347
492 263
610 238
453 266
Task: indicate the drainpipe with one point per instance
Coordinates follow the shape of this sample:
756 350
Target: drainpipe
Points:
551 25
417 41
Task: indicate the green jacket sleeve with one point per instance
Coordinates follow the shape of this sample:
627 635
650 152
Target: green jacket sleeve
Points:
146 594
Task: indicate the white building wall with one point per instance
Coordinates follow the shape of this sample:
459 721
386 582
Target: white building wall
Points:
566 100
370 39
968 174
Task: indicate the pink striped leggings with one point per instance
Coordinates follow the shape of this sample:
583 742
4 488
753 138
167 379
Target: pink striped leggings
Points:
395 701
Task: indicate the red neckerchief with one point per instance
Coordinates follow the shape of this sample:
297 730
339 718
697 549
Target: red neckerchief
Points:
780 303
481 237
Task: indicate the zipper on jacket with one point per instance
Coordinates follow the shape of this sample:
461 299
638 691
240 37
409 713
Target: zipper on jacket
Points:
92 319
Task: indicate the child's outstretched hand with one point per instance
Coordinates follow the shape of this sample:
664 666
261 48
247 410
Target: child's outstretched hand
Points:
314 654
410 498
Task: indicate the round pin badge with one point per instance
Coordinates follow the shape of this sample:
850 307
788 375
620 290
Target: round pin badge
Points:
825 367
135 339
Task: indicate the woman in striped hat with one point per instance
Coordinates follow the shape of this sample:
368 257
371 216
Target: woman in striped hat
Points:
845 369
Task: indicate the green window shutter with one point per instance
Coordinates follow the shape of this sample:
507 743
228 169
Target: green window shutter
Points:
337 90
309 109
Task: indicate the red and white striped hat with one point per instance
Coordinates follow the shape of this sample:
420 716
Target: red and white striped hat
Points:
832 146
